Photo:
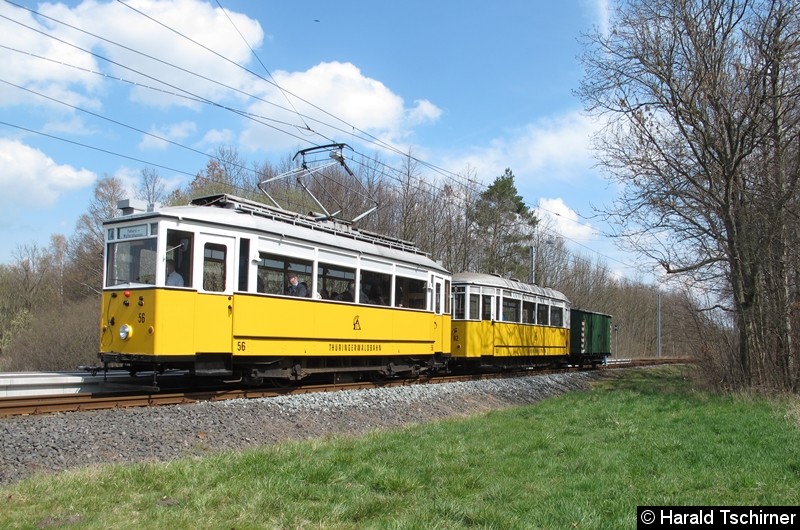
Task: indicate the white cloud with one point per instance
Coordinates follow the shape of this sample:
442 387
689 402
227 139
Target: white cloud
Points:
423 112
67 75
553 148
564 220
342 90
322 92
34 179
48 75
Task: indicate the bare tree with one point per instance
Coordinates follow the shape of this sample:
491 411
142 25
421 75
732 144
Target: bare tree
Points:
463 226
86 245
151 187
26 286
59 249
370 171
31 270
457 250
701 100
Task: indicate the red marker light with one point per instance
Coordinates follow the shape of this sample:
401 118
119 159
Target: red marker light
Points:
127 294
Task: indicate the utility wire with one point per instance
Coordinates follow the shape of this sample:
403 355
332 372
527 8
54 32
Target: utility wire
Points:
367 137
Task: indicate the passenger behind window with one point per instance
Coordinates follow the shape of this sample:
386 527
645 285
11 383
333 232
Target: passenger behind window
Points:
350 295
376 296
362 297
296 288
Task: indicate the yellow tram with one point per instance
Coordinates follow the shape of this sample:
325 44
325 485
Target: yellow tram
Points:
504 322
229 287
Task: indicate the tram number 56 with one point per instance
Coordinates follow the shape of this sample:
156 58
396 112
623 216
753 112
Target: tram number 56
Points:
241 345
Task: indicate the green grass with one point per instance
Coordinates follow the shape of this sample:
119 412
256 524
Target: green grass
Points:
583 460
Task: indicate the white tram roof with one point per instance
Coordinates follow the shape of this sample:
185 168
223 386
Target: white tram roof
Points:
493 280
244 215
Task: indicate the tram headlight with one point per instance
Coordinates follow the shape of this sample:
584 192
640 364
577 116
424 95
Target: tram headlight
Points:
125 332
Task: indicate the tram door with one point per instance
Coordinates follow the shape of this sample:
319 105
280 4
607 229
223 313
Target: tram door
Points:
213 308
441 308
438 286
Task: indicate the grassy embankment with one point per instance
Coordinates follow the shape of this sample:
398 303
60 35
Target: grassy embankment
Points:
583 460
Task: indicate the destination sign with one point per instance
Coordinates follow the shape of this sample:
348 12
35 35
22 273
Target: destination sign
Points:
129 232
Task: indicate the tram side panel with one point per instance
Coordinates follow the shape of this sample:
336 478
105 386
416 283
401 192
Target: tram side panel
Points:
473 339
279 326
529 340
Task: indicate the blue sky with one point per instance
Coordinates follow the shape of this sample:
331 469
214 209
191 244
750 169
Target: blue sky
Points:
467 86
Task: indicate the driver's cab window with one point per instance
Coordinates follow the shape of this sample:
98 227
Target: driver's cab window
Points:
179 259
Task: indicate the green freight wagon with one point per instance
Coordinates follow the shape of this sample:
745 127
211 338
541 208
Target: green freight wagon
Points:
590 336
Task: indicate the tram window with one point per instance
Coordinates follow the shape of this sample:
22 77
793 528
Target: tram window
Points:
377 286
447 298
543 314
410 293
131 262
458 305
269 275
334 281
214 267
528 313
556 316
474 307
244 263
486 310
179 250
511 310
272 274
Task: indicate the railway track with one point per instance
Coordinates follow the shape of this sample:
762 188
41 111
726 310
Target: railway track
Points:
41 395
46 404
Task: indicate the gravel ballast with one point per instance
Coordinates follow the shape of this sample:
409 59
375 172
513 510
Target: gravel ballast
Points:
56 442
